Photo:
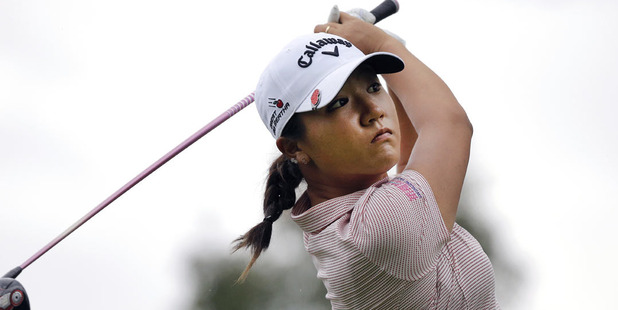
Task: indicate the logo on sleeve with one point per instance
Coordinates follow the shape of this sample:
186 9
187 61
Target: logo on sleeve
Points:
407 188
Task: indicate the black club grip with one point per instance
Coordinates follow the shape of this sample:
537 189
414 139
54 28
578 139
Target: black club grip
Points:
385 9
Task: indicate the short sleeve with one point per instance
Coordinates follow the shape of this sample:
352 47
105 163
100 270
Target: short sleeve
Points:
398 226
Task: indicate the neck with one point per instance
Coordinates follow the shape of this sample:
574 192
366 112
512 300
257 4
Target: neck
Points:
324 187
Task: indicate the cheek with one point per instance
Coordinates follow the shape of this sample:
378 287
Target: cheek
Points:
389 106
330 141
328 138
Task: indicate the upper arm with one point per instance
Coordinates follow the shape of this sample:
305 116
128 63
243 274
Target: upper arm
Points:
441 155
408 133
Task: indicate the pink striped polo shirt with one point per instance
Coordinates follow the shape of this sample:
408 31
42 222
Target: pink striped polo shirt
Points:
386 247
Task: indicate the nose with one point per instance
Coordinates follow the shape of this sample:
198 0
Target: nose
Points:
372 113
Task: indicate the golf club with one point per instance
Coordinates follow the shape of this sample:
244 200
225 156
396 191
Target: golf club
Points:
12 293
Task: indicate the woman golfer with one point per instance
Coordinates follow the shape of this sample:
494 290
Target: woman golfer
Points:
378 242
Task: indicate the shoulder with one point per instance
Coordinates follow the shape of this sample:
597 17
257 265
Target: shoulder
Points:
398 202
412 184
397 225
402 189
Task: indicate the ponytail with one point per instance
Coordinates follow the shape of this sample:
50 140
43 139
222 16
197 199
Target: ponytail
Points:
283 178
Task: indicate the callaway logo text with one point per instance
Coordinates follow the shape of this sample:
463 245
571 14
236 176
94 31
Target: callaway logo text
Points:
306 59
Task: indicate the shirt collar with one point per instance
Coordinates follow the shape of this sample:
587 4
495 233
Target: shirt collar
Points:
312 219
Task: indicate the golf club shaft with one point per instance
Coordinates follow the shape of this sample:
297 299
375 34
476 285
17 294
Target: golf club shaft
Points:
385 9
156 165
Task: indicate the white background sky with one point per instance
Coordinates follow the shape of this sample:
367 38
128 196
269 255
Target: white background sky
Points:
93 92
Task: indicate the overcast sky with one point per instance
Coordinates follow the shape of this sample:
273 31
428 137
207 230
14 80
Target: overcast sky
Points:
93 92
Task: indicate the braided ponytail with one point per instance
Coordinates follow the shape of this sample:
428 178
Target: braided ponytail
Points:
283 178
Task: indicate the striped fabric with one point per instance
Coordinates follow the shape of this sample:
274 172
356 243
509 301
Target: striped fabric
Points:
387 247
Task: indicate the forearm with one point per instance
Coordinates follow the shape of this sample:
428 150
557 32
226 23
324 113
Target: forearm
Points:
426 99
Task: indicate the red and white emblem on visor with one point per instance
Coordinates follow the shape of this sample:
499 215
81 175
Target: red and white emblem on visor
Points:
315 99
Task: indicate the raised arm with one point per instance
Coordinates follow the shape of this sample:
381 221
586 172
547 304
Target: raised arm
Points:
442 148
407 131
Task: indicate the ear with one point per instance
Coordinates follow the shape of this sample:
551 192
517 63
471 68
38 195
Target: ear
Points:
287 147
290 148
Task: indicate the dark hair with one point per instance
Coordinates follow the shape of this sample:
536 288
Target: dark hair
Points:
284 176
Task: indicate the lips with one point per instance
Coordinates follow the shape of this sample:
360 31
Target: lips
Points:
382 134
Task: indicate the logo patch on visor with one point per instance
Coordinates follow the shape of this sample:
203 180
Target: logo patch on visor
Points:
278 111
315 99
274 102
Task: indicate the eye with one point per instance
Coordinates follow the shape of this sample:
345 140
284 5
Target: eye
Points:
337 103
375 87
